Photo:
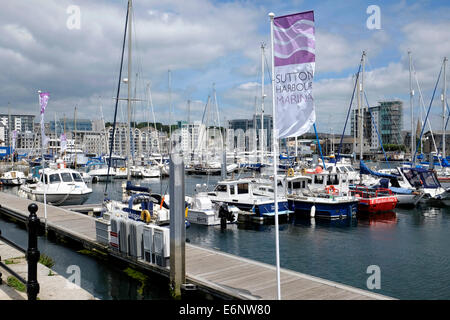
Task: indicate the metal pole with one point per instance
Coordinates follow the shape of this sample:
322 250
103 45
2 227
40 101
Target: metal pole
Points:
361 115
170 112
45 183
33 253
128 140
411 95
444 98
177 224
262 103
275 162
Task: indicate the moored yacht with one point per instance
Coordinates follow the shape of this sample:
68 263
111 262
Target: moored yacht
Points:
61 186
240 193
328 202
13 178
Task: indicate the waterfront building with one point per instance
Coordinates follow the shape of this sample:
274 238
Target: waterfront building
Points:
193 136
386 117
19 122
240 133
66 125
428 145
144 141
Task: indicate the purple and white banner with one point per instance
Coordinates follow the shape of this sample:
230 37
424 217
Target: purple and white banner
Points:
43 101
63 142
294 60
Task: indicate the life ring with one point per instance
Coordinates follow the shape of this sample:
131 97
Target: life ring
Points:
145 216
332 190
290 172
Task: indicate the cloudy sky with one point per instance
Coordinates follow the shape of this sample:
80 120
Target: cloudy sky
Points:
204 42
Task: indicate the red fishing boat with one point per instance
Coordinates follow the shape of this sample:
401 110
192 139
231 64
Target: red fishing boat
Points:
374 200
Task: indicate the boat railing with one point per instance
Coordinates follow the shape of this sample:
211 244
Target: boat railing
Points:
366 192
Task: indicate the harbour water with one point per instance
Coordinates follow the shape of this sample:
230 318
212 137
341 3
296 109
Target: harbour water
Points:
408 245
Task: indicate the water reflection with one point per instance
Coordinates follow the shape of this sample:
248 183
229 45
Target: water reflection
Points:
381 219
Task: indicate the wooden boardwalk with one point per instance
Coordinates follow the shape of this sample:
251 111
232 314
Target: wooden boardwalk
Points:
216 272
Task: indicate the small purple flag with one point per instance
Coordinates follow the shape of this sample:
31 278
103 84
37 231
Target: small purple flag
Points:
43 100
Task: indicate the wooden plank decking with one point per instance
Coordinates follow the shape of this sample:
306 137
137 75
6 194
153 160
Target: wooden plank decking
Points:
214 271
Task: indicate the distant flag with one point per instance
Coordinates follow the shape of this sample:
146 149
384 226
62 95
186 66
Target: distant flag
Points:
294 65
63 140
43 101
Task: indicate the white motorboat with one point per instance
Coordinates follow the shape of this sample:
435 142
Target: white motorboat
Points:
146 171
426 181
99 172
240 193
61 186
13 178
203 211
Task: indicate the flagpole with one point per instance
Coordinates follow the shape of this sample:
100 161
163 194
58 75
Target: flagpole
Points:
43 165
275 162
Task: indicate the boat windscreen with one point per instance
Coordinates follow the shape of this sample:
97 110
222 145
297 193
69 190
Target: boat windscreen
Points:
77 177
66 177
413 177
429 180
54 178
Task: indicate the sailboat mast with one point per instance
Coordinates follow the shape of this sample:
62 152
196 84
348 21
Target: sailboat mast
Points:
411 94
262 103
444 99
170 112
56 139
10 138
361 115
129 90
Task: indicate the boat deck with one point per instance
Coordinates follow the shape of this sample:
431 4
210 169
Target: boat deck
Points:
218 273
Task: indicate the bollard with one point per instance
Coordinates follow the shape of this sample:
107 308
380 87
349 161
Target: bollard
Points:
177 225
33 253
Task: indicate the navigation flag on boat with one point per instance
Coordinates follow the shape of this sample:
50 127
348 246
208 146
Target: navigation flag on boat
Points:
63 143
294 64
43 101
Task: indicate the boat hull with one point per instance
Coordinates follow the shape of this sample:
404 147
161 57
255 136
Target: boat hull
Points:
59 199
12 182
380 204
266 209
326 210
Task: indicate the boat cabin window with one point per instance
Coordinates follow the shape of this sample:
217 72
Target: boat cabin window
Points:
296 184
76 177
350 169
333 179
54 178
429 180
413 178
232 191
318 179
221 188
341 170
66 177
242 188
46 178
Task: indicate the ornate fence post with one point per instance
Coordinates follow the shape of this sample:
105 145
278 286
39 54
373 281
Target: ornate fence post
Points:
33 253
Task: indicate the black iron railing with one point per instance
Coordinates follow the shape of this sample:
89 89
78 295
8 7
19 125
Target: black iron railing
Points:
32 254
